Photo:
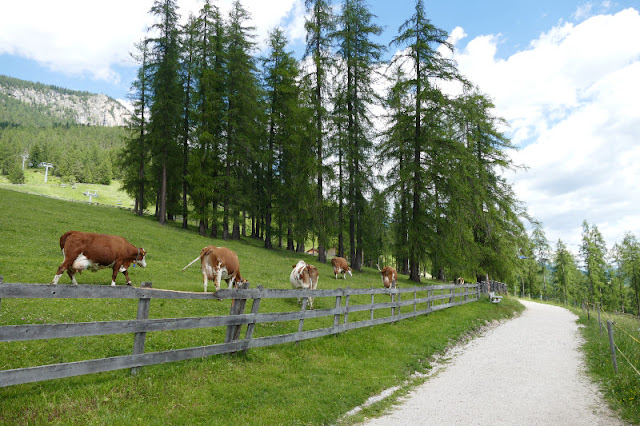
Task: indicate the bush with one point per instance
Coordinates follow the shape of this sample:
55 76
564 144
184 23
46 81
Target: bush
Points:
16 174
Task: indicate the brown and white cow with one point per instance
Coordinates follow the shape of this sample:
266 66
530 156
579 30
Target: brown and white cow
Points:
389 277
460 281
304 276
340 266
218 263
84 250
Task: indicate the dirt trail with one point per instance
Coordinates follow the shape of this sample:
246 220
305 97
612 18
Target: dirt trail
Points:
527 371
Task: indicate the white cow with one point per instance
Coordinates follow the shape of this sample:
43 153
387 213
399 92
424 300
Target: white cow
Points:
304 276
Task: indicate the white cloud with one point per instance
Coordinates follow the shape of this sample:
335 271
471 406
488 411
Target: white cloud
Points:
571 99
89 38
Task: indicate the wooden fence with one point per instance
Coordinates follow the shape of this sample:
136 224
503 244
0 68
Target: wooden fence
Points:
420 302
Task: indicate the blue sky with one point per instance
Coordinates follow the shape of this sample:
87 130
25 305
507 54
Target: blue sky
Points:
564 74
518 22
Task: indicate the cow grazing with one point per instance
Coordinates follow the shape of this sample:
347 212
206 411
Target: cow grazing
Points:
83 250
389 277
460 281
304 276
219 263
340 266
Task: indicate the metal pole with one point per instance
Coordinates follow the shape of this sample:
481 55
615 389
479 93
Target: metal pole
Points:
613 347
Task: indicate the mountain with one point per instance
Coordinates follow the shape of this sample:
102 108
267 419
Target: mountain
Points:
24 103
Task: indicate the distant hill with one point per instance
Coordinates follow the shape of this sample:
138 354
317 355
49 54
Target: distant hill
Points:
25 103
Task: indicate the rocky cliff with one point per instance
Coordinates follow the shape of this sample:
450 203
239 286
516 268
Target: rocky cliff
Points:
63 104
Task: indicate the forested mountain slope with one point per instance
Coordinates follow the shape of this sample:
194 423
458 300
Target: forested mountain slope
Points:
80 133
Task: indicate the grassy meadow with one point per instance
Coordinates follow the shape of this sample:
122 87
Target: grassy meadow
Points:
109 195
315 382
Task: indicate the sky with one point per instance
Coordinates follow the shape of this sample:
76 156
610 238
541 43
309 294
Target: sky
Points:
564 74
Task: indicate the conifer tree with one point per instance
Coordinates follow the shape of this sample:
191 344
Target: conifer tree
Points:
189 51
241 121
166 104
593 252
136 153
423 41
282 102
319 25
359 55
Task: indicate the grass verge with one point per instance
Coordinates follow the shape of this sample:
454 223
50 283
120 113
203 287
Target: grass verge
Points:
621 390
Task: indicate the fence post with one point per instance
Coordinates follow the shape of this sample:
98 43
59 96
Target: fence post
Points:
336 317
415 300
143 314
372 302
305 300
613 346
346 308
237 308
398 299
1 282
255 307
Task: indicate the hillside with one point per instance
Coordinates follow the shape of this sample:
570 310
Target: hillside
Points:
260 387
24 103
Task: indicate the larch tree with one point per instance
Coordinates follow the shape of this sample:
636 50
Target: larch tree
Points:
541 251
630 254
241 121
135 157
319 25
166 100
422 42
359 56
593 252
282 103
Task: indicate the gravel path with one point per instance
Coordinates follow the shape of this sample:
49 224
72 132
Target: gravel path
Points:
526 371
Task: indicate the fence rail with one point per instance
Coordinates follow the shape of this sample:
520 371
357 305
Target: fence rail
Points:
237 318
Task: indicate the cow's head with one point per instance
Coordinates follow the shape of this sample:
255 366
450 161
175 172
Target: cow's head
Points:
349 271
140 258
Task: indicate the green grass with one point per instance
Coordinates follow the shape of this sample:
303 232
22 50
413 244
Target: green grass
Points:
109 195
621 390
315 382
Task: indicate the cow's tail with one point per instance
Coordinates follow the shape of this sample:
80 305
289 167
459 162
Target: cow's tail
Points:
192 262
63 240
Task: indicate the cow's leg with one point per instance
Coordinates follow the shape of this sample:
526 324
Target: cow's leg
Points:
125 271
116 269
64 266
218 278
72 275
205 281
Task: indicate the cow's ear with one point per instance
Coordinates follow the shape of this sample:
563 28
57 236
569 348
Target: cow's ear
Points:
293 266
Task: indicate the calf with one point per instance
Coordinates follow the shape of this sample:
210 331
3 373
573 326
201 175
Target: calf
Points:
83 250
340 266
219 263
304 276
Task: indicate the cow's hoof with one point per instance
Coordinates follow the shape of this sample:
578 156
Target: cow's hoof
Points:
129 284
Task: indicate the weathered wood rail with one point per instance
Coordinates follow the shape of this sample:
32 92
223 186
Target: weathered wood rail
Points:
451 295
